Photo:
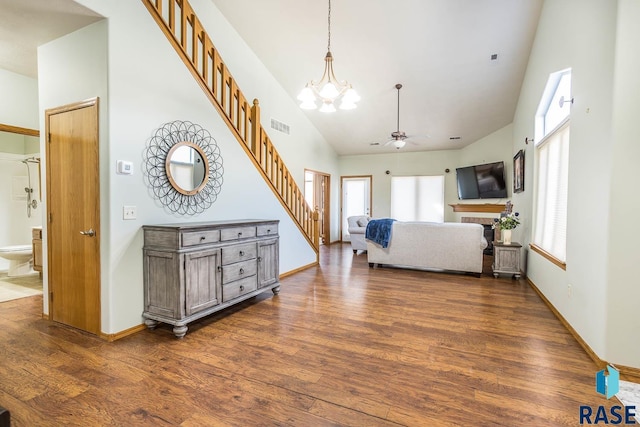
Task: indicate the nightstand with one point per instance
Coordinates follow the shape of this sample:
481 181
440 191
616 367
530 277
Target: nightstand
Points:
506 259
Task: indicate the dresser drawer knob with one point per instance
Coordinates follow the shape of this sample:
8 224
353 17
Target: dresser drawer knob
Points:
242 271
268 230
241 287
203 238
240 234
241 253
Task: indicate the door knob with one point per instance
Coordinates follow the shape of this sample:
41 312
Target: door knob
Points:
90 232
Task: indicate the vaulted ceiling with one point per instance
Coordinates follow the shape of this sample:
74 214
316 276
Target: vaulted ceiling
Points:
439 50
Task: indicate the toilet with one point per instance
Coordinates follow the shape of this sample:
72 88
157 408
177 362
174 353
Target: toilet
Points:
19 259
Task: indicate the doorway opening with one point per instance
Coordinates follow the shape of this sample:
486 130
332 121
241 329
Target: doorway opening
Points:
355 199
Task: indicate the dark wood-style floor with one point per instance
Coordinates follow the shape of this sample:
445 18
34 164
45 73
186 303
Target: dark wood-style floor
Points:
341 345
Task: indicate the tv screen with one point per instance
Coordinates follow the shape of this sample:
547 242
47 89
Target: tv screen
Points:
481 181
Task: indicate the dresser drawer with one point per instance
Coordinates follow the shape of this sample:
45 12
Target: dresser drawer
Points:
238 288
237 233
267 230
204 237
238 253
239 270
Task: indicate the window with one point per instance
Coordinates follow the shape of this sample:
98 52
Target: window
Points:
552 169
417 198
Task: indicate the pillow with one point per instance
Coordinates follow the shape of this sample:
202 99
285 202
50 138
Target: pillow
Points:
362 222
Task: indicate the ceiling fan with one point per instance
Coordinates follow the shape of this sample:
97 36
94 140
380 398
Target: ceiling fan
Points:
398 137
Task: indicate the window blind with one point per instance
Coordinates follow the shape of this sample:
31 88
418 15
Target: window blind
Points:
552 159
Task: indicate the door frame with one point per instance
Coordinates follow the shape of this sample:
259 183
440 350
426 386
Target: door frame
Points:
325 210
342 178
88 103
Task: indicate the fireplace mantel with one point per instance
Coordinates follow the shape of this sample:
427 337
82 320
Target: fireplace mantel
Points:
477 207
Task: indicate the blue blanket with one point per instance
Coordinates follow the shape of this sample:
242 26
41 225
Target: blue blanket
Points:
379 231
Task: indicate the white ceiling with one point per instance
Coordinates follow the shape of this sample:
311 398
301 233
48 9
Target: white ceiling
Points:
27 24
439 50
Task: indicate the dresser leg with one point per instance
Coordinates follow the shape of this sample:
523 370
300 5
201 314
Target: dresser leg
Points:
151 324
495 275
180 331
276 290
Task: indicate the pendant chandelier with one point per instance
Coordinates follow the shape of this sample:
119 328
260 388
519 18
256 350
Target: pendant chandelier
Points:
328 90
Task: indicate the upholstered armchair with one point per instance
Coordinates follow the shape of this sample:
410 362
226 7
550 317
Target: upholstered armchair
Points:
357 227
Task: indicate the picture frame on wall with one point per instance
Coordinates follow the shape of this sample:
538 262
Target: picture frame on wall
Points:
518 172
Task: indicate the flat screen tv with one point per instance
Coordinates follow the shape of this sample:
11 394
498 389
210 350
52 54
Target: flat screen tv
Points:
481 181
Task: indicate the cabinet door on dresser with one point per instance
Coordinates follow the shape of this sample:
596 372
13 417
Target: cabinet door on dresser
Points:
202 280
268 262
162 284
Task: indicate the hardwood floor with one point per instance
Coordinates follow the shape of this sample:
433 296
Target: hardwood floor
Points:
341 345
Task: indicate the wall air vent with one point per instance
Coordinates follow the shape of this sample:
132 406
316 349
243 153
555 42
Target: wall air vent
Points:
279 126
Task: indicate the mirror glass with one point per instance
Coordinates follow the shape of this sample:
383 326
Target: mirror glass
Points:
187 168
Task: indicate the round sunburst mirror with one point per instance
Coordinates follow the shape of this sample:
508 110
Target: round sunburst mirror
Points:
183 167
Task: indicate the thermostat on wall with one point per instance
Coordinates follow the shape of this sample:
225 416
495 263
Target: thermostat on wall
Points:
124 167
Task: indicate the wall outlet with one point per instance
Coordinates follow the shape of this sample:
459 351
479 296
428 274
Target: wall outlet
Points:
569 291
128 212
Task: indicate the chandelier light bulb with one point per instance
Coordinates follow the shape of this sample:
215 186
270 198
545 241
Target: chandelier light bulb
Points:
329 91
327 107
306 95
351 96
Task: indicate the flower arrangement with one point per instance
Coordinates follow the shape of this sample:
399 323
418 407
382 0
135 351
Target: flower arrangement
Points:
507 222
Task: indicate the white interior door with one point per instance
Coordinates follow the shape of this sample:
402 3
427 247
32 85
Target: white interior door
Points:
356 200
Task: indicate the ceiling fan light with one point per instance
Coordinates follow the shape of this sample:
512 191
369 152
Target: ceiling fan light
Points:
351 96
346 105
329 91
399 143
327 107
306 95
308 105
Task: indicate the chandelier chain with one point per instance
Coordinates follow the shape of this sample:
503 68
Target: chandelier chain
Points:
329 28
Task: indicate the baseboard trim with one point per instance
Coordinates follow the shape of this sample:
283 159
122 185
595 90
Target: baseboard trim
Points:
122 334
298 270
601 363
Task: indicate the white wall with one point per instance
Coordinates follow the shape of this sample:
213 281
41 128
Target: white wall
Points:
623 292
584 36
19 100
148 85
492 148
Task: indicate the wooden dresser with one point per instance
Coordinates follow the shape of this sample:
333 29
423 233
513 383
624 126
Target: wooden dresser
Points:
192 270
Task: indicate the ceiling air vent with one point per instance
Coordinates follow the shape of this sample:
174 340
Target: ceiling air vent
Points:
279 126
453 138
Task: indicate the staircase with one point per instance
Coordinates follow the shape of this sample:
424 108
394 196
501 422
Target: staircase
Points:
183 29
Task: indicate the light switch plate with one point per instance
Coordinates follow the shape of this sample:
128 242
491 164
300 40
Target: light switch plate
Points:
128 212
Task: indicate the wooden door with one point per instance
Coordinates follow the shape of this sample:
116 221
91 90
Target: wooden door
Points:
321 188
73 214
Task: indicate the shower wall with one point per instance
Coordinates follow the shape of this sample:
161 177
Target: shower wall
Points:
15 226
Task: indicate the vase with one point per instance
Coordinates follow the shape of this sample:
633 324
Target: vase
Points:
506 237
